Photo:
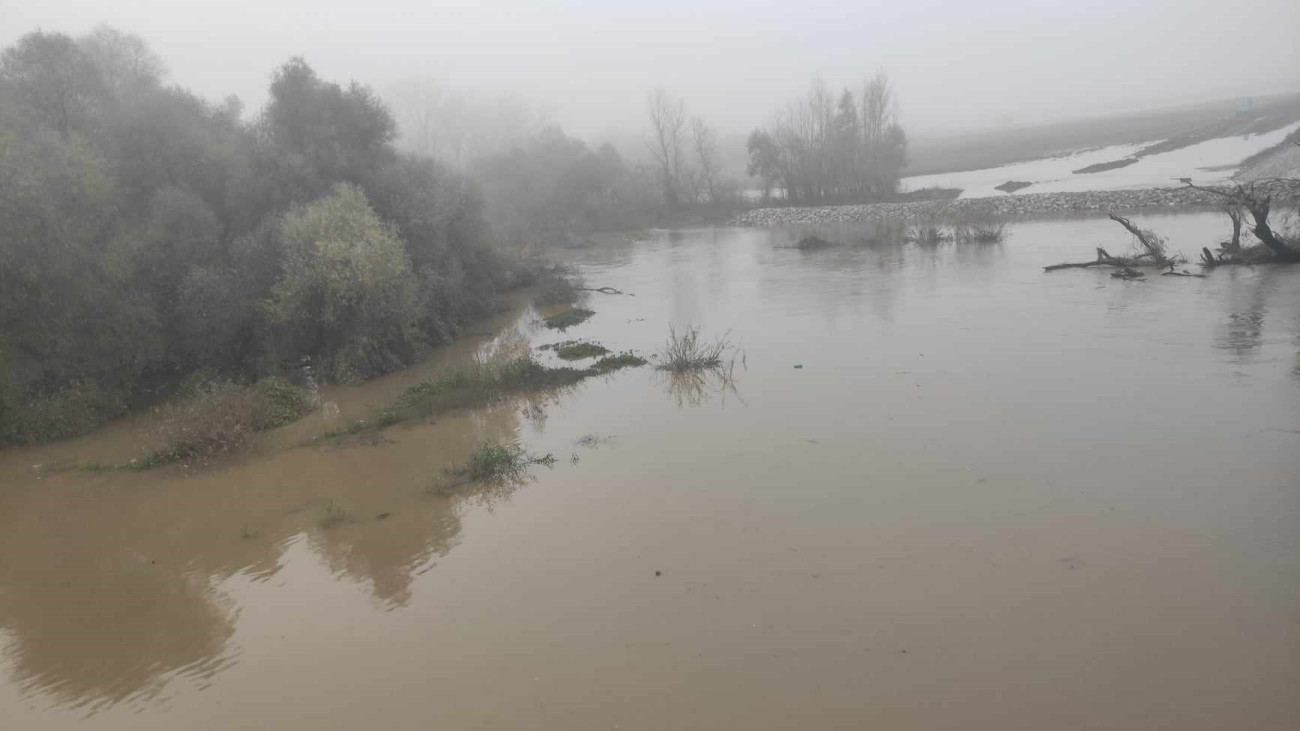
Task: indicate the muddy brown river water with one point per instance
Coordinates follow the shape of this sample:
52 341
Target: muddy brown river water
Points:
990 498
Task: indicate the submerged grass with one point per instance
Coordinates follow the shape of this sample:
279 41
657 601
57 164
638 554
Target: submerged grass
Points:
334 515
216 417
889 231
508 369
379 419
576 349
482 382
611 363
569 318
497 463
978 231
813 242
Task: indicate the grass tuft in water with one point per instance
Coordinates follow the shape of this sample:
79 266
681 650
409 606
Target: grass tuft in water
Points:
685 351
927 233
978 231
334 515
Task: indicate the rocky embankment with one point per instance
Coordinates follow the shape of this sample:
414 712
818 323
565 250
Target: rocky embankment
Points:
999 207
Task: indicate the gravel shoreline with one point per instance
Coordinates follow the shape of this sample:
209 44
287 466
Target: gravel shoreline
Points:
1004 206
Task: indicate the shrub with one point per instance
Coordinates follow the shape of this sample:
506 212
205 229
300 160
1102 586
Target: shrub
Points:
495 463
75 409
556 285
347 293
277 402
212 417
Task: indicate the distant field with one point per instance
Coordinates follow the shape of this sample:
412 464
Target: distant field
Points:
1180 125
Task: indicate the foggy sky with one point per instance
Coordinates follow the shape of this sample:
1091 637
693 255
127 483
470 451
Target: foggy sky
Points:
956 64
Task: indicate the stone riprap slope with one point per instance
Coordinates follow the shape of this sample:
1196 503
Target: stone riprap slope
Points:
1000 207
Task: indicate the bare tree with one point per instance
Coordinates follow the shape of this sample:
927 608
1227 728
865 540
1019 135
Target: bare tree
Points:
459 126
826 146
668 137
124 60
705 145
884 144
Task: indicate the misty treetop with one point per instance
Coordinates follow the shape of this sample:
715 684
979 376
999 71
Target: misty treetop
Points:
822 149
146 233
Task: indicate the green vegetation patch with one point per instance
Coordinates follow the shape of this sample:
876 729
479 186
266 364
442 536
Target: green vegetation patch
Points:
495 463
611 363
73 410
577 349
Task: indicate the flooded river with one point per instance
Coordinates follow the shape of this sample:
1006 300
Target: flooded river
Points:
947 491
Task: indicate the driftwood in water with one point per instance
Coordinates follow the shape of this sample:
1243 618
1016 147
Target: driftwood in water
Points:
602 290
1155 254
1103 260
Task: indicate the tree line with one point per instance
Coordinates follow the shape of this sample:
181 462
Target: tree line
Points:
146 233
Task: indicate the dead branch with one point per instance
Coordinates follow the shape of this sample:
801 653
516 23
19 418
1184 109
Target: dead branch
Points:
1258 204
602 290
1234 215
1128 273
1150 241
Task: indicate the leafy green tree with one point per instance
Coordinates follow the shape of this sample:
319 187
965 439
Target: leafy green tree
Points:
55 79
439 214
323 132
347 294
